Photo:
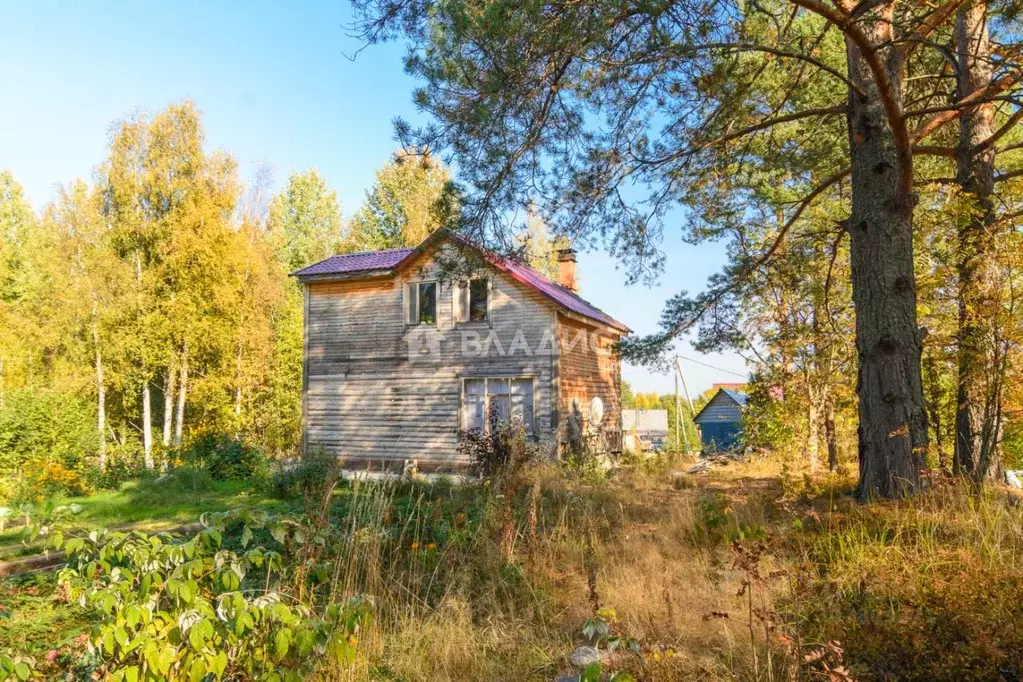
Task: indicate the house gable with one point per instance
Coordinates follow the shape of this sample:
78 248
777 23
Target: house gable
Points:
725 406
395 262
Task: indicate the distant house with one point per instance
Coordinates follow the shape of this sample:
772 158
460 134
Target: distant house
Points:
720 421
402 354
644 429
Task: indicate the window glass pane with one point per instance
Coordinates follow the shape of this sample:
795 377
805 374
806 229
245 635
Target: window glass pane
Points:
427 303
474 405
487 402
500 408
478 292
522 403
498 386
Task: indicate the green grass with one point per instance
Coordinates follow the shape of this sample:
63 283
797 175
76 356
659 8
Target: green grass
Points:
151 505
33 619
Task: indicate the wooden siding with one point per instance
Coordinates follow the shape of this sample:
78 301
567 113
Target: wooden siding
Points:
366 400
589 367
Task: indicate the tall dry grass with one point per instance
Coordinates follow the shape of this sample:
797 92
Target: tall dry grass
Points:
755 572
451 607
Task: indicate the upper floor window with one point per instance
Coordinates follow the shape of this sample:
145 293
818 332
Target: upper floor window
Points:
472 302
421 301
479 296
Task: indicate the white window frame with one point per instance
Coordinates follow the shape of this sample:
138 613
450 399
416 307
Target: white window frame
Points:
463 415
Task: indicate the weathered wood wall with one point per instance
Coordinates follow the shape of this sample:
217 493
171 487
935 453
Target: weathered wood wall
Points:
590 367
366 400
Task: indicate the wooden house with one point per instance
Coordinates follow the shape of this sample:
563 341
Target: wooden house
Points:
404 350
720 421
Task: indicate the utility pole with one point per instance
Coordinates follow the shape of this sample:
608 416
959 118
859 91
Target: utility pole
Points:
678 412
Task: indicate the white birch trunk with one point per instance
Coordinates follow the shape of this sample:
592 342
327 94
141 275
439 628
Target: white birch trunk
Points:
147 424
179 427
168 405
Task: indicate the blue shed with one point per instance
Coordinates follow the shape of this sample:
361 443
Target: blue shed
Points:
720 421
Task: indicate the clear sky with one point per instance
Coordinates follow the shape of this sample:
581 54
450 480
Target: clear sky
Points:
275 86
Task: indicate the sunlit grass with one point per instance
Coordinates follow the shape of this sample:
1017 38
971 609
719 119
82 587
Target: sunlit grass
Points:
151 505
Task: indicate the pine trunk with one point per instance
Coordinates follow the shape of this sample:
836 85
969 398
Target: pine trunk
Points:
892 430
147 425
179 427
976 390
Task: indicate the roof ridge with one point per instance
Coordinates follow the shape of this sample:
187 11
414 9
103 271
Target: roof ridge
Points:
524 264
368 253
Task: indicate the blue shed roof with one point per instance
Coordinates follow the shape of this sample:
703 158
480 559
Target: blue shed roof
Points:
737 396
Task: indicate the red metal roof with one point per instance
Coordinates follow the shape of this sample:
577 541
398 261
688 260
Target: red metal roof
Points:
369 261
557 293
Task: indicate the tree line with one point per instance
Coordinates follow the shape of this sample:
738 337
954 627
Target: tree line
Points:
153 303
862 159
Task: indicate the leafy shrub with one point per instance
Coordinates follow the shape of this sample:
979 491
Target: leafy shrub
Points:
502 451
49 430
306 478
767 423
167 607
224 457
124 463
41 479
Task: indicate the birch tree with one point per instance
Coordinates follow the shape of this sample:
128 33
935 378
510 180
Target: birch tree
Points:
87 282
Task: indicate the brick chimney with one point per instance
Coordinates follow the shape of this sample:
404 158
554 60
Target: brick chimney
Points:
566 270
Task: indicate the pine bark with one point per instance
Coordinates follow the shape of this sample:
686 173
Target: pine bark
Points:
977 396
892 430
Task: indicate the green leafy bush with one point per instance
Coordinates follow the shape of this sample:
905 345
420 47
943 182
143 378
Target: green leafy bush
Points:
199 608
308 478
224 457
47 440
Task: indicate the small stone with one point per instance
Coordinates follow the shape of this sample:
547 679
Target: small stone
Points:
584 656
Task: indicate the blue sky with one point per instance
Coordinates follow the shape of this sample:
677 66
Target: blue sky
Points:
275 87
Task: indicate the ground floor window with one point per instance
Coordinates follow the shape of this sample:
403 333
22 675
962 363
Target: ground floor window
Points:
499 398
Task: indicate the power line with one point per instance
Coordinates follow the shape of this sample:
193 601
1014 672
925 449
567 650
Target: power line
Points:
720 369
